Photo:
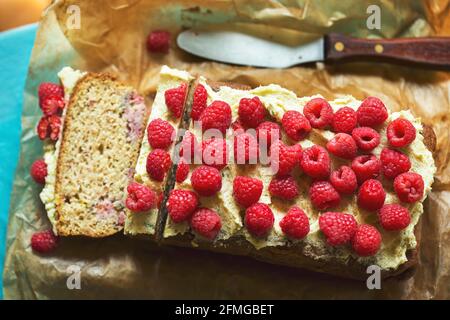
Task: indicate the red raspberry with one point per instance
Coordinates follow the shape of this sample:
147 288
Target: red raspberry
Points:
237 125
400 133
52 104
246 190
366 138
366 241
371 112
315 162
158 163
49 89
337 227
394 217
266 130
38 171
215 153
409 187
344 180
318 112
175 98
371 195
158 41
295 223
181 204
206 222
366 167
259 219
394 162
189 148
245 149
342 145
284 158
323 195
140 197
182 171
199 102
285 188
251 112
44 241
160 134
295 125
49 127
216 116
344 120
206 180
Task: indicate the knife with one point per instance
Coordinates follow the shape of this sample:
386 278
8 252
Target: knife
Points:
243 49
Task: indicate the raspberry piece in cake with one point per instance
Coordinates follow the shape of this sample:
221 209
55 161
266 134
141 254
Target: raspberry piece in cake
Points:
38 171
394 217
199 102
237 126
245 149
337 227
295 125
371 195
323 195
366 167
216 116
315 162
160 134
158 163
284 187
344 120
295 223
394 163
371 112
181 204
366 138
206 180
409 187
267 132
284 158
190 149
251 112
344 180
206 223
49 89
52 104
400 133
140 198
318 112
158 41
182 171
366 241
343 146
175 98
246 190
215 153
44 241
259 219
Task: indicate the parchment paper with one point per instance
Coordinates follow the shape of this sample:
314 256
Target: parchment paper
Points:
112 38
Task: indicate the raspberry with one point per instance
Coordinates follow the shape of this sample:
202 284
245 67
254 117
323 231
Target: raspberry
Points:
216 116
400 133
199 102
49 89
337 227
175 98
259 219
343 146
295 125
206 223
344 120
371 112
251 112
315 162
158 41
318 112
344 180
323 195
237 125
371 195
285 188
160 134
38 171
295 223
245 149
394 217
182 171
409 187
366 241
158 163
206 180
44 241
366 138
366 167
246 190
189 148
49 127
394 162
267 132
181 204
215 153
52 104
140 197
284 158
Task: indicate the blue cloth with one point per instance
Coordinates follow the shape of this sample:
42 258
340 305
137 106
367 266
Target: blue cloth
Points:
15 51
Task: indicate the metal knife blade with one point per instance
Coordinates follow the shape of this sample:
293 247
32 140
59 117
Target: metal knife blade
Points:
244 49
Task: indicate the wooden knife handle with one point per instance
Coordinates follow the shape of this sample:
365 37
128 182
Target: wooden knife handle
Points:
427 51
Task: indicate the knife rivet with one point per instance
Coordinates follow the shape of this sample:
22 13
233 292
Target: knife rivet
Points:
339 46
379 48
